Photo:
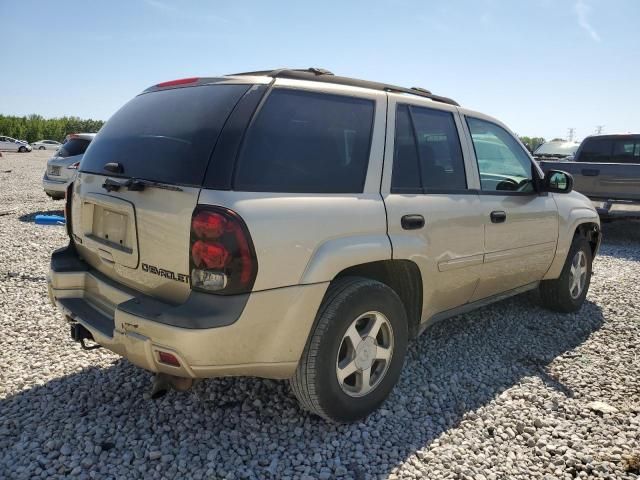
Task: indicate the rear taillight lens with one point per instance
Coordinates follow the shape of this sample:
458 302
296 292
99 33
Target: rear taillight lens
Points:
222 257
74 166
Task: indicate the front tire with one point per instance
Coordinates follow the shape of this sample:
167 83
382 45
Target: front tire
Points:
355 353
567 293
22 149
40 147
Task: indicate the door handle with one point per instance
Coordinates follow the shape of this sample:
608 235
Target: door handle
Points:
498 216
412 222
590 172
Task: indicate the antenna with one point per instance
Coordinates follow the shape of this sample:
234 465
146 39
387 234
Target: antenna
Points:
599 129
572 132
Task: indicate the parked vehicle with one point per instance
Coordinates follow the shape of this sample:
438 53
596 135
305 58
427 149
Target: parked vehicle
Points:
556 150
46 145
63 166
606 168
8 144
293 224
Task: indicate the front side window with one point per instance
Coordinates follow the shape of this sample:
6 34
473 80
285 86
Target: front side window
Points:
427 152
502 163
307 142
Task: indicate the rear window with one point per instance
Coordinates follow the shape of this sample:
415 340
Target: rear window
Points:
73 147
165 136
307 142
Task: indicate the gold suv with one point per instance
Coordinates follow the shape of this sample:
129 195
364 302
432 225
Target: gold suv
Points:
293 224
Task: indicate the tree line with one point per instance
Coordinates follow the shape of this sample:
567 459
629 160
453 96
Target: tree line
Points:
35 127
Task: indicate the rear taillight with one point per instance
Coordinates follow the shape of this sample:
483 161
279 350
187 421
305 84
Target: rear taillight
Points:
222 257
74 166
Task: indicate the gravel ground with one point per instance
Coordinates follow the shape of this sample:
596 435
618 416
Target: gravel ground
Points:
503 392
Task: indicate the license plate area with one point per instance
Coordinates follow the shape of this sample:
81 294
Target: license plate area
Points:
109 229
54 170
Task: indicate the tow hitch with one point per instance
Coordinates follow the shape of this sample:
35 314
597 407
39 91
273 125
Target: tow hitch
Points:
80 334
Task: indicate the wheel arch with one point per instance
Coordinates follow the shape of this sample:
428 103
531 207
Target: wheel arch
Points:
403 277
591 232
579 220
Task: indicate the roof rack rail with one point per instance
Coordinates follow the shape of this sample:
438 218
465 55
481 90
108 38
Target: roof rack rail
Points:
423 90
276 72
323 75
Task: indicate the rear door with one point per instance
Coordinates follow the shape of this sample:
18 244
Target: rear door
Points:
520 225
609 167
434 214
139 183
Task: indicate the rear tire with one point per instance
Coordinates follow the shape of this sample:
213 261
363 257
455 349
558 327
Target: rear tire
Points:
337 379
567 293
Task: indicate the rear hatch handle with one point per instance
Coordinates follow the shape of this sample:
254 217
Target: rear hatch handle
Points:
136 185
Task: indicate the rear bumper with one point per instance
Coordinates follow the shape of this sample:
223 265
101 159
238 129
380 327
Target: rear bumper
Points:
261 334
52 185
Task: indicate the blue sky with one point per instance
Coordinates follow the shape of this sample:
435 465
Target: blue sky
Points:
541 66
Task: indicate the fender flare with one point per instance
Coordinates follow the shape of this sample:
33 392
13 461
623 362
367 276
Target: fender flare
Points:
338 254
577 216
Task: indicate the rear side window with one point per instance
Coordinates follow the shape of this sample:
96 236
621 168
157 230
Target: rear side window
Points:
307 142
596 150
427 152
73 146
626 150
165 136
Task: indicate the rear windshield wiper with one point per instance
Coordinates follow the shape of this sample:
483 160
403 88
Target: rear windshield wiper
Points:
136 185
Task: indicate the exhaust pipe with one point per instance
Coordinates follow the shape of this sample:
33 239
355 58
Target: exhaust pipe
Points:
163 382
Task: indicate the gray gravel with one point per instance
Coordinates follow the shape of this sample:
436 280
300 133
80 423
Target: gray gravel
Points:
510 391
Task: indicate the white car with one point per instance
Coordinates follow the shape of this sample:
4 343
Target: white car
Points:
8 144
46 145
63 166
556 150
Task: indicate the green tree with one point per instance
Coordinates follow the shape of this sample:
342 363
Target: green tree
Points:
532 142
35 127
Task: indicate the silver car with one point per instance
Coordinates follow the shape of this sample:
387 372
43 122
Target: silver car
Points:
8 144
62 167
46 145
294 224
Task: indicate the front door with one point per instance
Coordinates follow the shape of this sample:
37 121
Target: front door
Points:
433 218
521 225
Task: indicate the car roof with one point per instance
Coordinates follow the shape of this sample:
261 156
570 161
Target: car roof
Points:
309 74
322 75
613 135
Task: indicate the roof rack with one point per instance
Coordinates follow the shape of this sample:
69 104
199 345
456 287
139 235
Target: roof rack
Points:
323 75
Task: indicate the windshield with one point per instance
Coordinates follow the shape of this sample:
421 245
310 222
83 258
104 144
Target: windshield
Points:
557 148
165 136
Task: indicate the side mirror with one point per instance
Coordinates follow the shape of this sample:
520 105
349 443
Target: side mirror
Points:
557 181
